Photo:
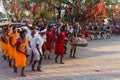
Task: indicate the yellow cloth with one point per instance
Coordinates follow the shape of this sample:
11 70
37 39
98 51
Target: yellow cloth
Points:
12 50
6 45
2 44
20 58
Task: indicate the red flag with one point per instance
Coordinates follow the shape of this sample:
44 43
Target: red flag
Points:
45 6
48 4
96 10
53 6
100 7
91 15
16 7
34 8
104 13
90 10
85 8
26 4
69 8
114 10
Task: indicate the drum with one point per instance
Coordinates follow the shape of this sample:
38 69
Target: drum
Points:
80 42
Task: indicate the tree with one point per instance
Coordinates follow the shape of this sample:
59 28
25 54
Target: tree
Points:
76 12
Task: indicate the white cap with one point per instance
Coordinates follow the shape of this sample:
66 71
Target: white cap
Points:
42 31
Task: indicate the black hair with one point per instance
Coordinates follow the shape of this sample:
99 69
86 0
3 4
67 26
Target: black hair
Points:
22 32
32 28
13 27
42 28
63 27
49 27
5 28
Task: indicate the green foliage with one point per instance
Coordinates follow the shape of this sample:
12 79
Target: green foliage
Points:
45 14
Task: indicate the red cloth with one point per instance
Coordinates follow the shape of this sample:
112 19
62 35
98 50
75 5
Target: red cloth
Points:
59 44
96 10
82 31
71 40
16 7
87 34
18 42
26 5
43 49
49 41
34 8
104 13
53 31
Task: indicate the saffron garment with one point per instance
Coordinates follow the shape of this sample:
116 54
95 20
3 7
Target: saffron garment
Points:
20 58
59 44
12 50
2 43
49 41
6 45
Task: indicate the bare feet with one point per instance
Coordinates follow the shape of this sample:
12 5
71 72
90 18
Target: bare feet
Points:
61 62
56 61
38 69
71 56
49 58
33 69
74 57
23 75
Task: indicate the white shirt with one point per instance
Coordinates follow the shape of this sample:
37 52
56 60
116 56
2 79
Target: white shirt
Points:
40 41
30 38
71 30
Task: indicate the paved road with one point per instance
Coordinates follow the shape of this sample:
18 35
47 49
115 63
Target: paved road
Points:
100 60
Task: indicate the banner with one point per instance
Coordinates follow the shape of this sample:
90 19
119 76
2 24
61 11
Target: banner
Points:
96 12
100 7
104 13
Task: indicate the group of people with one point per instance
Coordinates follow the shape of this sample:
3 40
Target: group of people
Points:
37 41
91 31
116 28
18 43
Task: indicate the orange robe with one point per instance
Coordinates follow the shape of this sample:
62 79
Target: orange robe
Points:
12 50
6 45
20 58
2 44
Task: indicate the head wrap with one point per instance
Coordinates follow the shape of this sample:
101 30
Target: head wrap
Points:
42 29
